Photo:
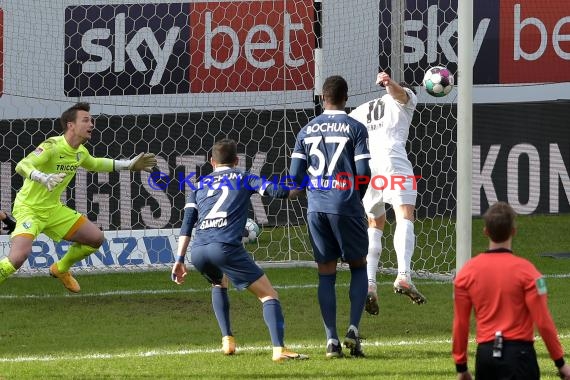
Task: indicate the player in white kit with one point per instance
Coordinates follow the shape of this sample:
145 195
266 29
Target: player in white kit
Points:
388 121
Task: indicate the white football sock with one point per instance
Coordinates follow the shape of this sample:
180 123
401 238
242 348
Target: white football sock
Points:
404 244
373 257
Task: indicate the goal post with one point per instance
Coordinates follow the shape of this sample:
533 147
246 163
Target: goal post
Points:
173 77
464 132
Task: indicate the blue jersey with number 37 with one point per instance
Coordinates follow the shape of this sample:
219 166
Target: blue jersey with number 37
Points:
328 151
219 208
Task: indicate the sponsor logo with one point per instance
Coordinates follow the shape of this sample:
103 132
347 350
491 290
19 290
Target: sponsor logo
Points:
541 286
126 49
38 151
535 41
198 47
66 168
514 41
251 46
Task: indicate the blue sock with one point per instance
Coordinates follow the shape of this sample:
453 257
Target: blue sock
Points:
221 306
273 316
327 302
357 293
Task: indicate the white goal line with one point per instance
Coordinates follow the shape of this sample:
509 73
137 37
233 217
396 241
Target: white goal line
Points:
151 353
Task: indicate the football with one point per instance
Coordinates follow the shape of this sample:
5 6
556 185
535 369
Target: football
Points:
438 81
250 232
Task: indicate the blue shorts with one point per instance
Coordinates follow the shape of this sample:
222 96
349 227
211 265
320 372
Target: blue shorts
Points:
336 237
214 259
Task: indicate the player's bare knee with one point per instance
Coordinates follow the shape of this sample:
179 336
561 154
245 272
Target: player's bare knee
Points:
405 212
359 263
96 240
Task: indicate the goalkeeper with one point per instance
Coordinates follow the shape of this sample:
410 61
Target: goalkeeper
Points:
47 171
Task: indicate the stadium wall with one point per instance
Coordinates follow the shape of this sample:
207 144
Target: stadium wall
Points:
520 154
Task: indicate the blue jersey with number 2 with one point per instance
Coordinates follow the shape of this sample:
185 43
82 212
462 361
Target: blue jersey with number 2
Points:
219 209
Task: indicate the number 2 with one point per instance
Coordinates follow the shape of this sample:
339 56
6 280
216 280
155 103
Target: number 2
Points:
215 211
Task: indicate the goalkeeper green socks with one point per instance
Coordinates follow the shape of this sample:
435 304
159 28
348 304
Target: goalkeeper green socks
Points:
6 269
75 253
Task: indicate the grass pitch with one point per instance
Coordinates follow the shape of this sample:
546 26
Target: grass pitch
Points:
142 325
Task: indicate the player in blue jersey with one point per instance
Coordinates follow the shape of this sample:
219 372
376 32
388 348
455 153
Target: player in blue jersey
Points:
331 159
219 211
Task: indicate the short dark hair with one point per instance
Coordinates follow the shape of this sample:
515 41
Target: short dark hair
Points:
225 152
335 90
409 86
499 221
70 114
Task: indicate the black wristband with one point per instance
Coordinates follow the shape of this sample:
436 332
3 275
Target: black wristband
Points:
180 259
460 368
559 362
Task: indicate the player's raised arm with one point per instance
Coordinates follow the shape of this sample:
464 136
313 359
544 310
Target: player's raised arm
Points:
392 87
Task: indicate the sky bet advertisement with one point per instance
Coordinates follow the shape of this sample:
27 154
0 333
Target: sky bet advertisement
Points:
514 41
203 47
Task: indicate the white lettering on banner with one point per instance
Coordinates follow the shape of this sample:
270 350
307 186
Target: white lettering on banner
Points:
259 160
121 249
125 199
557 170
519 25
124 48
436 44
5 186
513 180
482 177
164 207
249 46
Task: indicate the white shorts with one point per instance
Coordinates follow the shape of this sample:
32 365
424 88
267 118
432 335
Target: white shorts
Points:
393 189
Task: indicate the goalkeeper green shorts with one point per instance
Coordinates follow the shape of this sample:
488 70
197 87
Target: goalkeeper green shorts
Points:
59 222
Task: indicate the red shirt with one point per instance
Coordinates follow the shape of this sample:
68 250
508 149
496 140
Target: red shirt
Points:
509 295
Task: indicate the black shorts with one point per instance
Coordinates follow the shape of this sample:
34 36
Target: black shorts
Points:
518 361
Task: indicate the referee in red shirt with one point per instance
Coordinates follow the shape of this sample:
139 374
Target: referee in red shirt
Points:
509 297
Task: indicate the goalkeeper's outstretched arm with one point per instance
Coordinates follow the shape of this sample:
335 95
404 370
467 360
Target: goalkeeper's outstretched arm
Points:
143 161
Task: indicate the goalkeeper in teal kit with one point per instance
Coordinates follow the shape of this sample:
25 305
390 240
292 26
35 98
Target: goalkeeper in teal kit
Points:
37 209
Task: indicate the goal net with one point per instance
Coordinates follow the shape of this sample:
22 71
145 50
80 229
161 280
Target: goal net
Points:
172 78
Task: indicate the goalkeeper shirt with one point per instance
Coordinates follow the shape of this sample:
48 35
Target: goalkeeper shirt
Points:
54 155
508 294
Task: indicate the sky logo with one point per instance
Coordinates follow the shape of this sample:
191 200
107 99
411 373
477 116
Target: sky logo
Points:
133 49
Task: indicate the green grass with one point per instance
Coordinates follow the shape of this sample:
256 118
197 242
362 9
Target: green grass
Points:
141 325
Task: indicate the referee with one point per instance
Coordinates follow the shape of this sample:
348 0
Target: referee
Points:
509 297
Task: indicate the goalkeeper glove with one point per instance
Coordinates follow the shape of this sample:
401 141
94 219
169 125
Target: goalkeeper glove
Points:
144 161
48 180
10 224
